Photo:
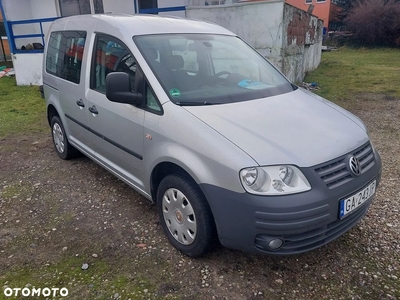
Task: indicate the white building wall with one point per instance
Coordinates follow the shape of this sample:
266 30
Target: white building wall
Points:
28 68
17 10
119 6
180 13
195 2
258 23
40 11
171 3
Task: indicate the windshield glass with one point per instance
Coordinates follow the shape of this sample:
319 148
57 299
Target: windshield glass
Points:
204 69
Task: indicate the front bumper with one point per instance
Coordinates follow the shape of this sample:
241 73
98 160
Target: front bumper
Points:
303 221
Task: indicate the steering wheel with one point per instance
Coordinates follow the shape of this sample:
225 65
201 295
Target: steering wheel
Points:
122 65
217 78
219 74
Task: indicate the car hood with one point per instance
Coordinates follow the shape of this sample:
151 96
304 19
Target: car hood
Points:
296 128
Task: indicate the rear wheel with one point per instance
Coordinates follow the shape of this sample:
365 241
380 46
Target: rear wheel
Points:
185 215
64 149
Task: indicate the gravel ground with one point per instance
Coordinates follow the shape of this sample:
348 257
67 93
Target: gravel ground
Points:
56 216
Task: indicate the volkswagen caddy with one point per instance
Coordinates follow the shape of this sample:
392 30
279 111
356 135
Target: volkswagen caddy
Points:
196 120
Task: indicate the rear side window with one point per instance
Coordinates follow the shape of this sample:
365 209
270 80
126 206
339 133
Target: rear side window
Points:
64 54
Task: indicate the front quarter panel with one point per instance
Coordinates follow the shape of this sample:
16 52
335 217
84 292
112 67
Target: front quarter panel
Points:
180 138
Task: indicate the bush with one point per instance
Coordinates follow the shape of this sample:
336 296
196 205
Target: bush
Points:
375 22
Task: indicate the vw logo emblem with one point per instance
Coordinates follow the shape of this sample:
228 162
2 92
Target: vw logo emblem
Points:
354 165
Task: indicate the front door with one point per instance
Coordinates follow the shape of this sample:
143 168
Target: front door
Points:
116 129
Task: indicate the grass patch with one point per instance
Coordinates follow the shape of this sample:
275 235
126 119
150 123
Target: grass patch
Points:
10 191
100 281
347 72
22 110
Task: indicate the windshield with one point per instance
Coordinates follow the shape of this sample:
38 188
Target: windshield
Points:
204 69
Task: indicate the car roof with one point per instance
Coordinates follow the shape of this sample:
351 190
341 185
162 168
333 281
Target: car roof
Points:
139 24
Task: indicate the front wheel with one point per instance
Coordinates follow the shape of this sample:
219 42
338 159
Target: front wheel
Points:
185 215
64 149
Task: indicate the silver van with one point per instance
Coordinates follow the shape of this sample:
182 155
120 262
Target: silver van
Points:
197 121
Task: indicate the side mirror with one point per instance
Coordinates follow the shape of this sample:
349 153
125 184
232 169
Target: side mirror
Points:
118 89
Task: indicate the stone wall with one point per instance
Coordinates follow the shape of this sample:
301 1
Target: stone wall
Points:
302 42
290 38
257 23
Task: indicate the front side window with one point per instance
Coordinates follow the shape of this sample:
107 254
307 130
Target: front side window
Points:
111 55
64 54
151 102
201 69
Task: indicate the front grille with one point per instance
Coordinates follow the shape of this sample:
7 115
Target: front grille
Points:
366 157
276 222
336 172
316 238
298 243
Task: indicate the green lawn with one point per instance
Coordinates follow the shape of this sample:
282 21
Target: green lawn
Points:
22 110
344 73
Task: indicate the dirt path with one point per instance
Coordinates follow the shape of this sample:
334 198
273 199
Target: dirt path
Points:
57 215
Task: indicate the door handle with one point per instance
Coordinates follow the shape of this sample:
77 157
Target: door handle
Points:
93 110
80 103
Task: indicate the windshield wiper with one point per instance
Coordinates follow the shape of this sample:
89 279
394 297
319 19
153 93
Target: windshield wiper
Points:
196 103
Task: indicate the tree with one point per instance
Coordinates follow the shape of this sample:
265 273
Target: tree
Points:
343 3
345 6
375 22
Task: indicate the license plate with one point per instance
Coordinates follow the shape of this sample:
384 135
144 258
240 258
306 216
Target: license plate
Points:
350 204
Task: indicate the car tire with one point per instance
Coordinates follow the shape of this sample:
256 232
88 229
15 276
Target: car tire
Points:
185 215
64 149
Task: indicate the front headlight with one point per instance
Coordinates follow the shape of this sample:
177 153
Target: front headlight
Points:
274 180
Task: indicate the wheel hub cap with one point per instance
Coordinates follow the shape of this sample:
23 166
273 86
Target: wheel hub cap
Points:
58 138
179 216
